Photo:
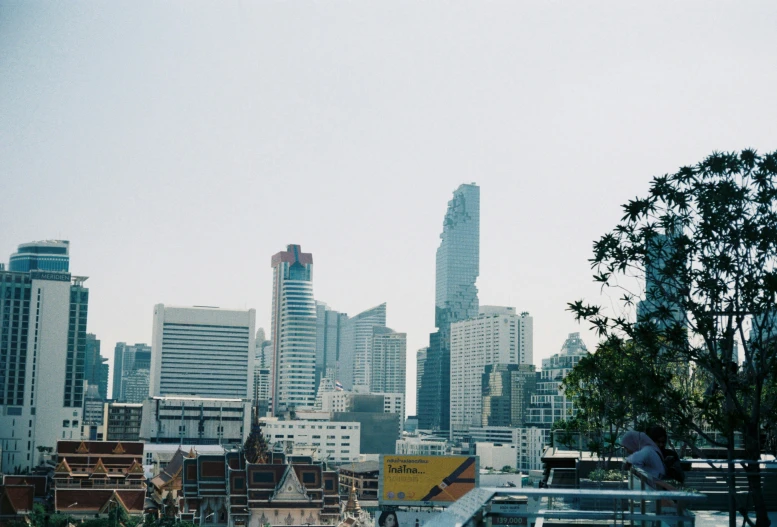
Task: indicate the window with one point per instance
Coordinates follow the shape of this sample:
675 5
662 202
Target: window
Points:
66 423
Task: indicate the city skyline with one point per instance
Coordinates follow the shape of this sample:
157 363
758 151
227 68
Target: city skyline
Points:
174 160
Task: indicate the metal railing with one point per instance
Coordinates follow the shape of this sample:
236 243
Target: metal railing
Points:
575 441
486 506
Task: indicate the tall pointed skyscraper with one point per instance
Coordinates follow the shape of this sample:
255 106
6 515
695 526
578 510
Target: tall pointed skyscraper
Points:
293 330
456 299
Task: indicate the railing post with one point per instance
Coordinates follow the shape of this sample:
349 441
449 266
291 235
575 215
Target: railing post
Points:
643 508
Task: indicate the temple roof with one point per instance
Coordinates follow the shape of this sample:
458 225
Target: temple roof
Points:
16 499
101 448
172 469
99 500
290 488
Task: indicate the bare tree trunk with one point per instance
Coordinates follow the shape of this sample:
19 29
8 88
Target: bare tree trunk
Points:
753 452
732 486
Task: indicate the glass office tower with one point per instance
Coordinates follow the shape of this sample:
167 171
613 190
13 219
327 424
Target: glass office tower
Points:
456 299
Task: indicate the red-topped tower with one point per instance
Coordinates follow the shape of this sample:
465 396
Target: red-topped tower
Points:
293 331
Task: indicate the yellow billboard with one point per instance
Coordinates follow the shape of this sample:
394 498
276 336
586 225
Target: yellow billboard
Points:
426 480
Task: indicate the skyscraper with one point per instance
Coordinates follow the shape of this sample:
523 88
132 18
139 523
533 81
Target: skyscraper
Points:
356 350
262 373
96 367
458 260
420 360
293 330
550 404
330 325
661 303
46 255
506 391
202 351
498 335
129 359
387 362
42 351
456 299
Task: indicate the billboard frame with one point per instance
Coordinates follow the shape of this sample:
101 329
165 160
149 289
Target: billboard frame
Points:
417 503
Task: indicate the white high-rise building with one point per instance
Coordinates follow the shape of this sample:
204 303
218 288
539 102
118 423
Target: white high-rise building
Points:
338 442
498 335
293 331
387 369
202 351
43 322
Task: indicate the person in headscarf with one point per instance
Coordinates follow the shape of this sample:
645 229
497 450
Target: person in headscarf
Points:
643 453
672 465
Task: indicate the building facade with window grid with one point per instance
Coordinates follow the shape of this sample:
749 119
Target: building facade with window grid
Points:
498 335
337 442
43 318
456 299
202 352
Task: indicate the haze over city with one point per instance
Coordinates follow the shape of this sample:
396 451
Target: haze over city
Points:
179 148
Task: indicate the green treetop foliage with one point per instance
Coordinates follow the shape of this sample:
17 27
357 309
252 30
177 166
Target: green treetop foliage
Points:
599 383
704 243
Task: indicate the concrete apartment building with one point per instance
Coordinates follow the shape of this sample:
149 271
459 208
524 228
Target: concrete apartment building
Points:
498 335
195 420
325 440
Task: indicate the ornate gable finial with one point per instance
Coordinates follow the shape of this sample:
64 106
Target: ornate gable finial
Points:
62 467
119 449
99 468
82 448
192 453
135 468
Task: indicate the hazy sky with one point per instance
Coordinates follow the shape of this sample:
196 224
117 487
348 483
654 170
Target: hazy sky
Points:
178 145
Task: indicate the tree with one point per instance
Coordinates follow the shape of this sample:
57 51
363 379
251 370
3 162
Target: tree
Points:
597 385
38 515
705 242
